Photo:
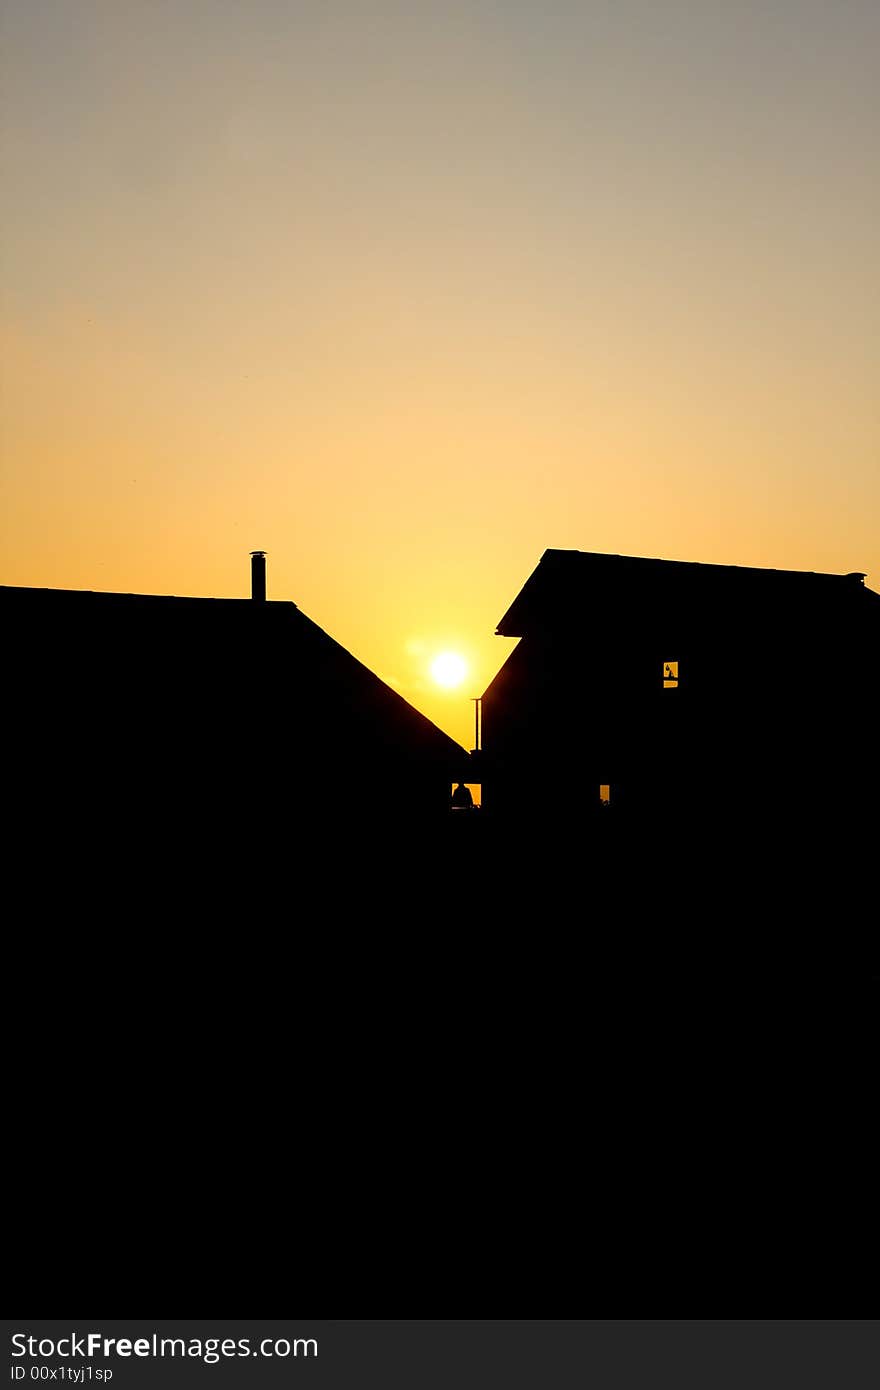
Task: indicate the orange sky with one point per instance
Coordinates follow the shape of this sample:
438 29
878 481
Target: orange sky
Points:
406 293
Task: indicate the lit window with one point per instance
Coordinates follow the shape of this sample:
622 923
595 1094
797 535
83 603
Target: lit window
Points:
466 796
670 675
604 794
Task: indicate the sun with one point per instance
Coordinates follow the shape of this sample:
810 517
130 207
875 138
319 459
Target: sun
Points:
449 669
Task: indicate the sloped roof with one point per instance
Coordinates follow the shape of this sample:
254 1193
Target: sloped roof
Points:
567 580
271 647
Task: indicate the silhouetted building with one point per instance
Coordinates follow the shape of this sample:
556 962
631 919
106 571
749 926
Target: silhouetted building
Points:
657 692
134 714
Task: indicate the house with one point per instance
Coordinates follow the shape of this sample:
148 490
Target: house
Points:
661 693
133 715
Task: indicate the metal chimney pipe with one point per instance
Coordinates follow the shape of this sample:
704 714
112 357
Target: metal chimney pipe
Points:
258 576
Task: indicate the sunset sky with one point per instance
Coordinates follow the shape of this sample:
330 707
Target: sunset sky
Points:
406 293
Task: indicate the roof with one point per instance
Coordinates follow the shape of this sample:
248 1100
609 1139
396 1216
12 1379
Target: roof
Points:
565 580
225 643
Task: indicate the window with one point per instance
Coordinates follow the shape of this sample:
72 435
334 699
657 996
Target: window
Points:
604 794
670 675
466 796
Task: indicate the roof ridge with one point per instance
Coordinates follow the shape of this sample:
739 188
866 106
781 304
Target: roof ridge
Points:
122 593
701 564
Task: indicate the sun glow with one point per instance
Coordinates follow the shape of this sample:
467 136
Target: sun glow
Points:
448 669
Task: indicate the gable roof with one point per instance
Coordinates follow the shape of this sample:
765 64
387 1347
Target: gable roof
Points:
271 650
566 580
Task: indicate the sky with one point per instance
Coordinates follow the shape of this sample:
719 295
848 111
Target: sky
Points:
406 293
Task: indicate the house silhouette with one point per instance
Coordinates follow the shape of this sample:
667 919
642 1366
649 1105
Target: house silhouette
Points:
229 721
658 694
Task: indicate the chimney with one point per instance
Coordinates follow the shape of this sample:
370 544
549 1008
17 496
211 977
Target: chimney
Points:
258 576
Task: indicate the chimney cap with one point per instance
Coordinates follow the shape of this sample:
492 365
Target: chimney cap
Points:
257 552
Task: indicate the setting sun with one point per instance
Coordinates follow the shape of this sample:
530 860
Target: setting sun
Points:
448 669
